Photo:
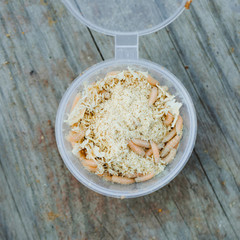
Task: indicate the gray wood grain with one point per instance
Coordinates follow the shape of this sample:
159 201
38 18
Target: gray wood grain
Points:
45 50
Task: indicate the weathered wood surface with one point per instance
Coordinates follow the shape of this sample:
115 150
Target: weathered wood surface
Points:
42 49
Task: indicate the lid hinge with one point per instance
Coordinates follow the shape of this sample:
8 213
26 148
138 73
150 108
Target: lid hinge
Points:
126 46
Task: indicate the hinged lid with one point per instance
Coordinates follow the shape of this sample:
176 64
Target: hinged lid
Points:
126 19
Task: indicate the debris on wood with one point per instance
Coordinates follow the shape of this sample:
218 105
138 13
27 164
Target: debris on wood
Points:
188 3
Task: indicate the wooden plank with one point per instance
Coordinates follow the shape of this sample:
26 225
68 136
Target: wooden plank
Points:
42 63
216 91
9 210
47 48
218 76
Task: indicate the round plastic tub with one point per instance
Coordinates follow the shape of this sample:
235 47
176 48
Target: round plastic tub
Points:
187 142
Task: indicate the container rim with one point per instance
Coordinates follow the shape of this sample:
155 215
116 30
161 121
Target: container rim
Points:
114 193
106 31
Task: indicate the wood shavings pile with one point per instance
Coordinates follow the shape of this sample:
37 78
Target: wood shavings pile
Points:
113 111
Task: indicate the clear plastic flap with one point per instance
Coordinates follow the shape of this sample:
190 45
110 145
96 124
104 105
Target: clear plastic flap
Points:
122 17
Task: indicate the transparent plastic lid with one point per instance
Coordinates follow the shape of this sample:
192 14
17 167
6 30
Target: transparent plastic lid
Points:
123 17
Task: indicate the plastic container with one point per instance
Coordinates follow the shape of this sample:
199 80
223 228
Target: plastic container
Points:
126 55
